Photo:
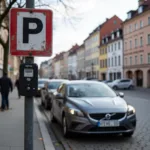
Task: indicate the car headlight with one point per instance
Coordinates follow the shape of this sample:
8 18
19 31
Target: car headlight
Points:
131 110
76 112
38 88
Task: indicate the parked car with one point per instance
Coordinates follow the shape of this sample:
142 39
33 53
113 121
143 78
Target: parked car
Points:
121 84
48 90
41 83
91 107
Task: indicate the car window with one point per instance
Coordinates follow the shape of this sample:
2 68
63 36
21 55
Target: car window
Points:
125 80
54 85
41 82
90 90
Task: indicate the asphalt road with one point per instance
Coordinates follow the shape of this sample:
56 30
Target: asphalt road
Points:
140 99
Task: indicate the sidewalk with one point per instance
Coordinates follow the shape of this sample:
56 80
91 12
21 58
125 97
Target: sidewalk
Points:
12 127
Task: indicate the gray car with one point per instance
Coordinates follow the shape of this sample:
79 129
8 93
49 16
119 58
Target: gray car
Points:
92 107
47 92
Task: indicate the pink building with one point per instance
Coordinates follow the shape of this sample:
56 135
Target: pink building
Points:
137 45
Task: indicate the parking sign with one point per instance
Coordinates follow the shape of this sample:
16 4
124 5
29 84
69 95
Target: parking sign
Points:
30 32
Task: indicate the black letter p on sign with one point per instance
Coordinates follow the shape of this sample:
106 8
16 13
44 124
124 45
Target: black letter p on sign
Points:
27 30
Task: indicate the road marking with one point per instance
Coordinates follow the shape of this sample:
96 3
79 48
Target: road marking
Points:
45 134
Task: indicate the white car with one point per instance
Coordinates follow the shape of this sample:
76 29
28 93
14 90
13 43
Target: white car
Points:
121 84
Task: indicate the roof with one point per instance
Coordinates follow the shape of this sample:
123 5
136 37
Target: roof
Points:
135 13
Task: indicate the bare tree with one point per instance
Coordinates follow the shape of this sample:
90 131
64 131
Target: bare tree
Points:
6 5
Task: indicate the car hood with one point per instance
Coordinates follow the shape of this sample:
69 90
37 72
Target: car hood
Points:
93 105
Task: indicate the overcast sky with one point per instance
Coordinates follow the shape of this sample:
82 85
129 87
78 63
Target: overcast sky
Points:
86 16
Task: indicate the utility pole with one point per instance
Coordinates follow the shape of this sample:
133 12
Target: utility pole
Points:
29 105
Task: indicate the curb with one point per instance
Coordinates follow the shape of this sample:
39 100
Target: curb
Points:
45 134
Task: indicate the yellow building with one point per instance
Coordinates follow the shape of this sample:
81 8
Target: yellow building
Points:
92 54
103 61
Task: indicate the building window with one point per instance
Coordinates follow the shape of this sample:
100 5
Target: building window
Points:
126 62
119 60
141 41
115 61
115 46
148 39
130 28
140 10
108 62
118 45
130 44
130 60
125 45
136 43
129 15
141 24
148 20
148 58
141 59
115 21
112 62
136 60
112 47
136 26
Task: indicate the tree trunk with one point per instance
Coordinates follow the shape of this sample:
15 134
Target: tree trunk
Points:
6 55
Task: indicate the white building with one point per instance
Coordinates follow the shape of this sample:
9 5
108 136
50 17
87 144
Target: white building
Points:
57 69
115 56
72 63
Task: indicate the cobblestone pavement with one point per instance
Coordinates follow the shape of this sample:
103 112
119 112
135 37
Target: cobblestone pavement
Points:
140 141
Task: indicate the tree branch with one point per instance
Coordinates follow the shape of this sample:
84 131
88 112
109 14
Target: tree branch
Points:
5 13
2 42
5 27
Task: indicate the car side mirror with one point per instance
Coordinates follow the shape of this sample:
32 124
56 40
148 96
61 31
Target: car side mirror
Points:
59 96
121 94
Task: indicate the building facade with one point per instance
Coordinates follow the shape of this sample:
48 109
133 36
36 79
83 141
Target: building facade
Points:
106 29
81 62
72 63
115 55
103 60
61 58
137 45
66 64
92 54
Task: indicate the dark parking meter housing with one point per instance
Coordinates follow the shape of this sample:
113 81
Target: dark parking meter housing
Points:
28 79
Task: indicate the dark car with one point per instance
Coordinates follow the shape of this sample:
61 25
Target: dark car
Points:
41 83
47 92
91 107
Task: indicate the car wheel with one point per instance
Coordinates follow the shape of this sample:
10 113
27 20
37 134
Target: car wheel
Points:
115 87
130 87
65 128
128 134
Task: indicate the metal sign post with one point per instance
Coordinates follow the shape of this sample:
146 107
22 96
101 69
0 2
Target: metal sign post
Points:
28 109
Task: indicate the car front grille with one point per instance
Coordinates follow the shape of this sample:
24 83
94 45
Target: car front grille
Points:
107 129
115 116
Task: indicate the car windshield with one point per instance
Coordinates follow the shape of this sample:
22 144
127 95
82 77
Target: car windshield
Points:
41 82
90 90
54 85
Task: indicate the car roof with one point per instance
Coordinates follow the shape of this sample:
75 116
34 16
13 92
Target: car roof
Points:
82 82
